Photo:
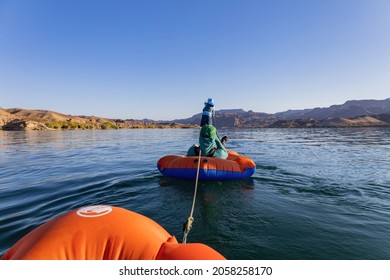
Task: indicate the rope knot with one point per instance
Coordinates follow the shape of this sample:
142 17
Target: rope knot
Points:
188 224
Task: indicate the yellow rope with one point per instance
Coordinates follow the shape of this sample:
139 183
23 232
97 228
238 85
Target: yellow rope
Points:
190 220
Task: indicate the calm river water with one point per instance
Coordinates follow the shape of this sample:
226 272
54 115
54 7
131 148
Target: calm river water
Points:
316 193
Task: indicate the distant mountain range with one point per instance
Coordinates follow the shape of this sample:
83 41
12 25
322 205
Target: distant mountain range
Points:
354 113
351 113
22 119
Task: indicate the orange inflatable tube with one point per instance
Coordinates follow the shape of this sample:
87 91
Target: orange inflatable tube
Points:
235 166
104 232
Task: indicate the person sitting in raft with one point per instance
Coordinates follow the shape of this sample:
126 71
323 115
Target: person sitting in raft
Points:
210 145
208 115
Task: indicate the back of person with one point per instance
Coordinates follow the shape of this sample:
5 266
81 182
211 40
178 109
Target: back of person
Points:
207 138
209 143
207 113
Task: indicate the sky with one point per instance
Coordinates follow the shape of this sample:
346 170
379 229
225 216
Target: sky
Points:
162 59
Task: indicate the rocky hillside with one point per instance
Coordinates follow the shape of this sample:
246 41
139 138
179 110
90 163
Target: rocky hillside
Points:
352 108
361 121
355 113
351 113
22 119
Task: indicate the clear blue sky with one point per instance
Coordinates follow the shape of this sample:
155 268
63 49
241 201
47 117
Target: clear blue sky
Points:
162 59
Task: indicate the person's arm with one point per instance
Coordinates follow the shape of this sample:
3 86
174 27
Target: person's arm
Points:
219 144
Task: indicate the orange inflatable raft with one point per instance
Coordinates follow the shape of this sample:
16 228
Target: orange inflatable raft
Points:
105 233
235 166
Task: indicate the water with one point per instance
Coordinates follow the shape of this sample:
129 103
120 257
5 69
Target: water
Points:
316 193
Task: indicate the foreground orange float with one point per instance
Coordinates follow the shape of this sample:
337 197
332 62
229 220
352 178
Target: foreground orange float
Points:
105 233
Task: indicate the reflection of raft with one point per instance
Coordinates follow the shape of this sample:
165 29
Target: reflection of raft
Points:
185 167
105 232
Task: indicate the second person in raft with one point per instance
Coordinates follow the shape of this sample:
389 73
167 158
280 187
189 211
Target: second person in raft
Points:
209 144
208 115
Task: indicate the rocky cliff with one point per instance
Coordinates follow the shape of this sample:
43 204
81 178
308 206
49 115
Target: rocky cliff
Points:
22 119
354 113
351 113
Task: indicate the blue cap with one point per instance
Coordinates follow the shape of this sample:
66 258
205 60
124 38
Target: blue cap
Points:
210 101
